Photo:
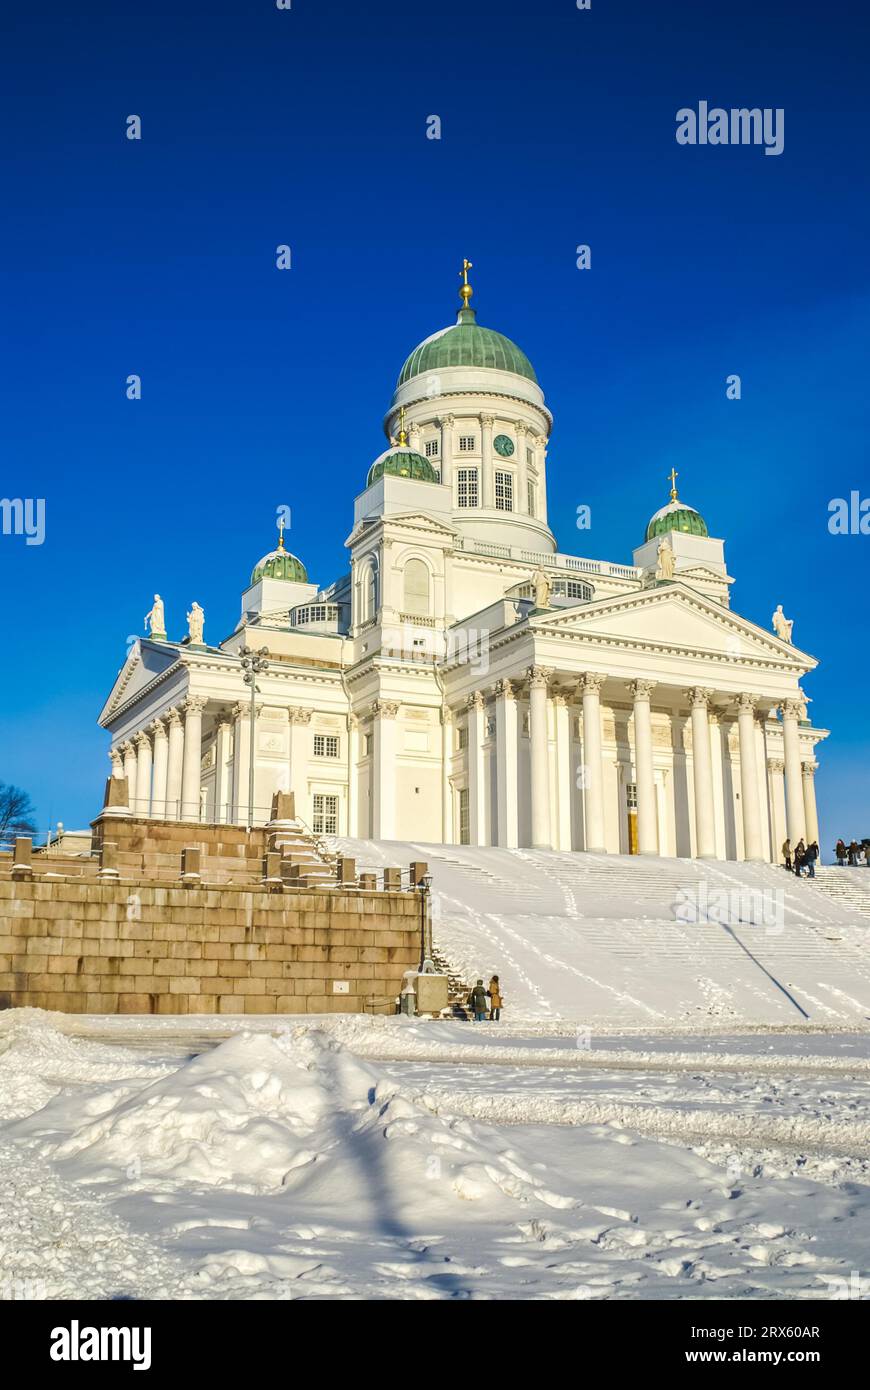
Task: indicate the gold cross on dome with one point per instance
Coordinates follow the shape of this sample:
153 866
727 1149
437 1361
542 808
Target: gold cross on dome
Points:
466 266
465 290
281 533
673 475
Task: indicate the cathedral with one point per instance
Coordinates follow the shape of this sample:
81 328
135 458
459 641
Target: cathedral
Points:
465 682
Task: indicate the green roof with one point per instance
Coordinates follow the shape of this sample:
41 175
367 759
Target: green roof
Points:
676 516
466 344
280 564
402 462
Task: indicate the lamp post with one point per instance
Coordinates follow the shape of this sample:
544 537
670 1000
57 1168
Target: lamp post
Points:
425 887
253 665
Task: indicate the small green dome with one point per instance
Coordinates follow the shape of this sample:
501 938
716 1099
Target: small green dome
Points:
403 463
676 516
280 564
466 344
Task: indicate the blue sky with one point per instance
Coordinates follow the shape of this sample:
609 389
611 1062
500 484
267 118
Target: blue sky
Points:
261 388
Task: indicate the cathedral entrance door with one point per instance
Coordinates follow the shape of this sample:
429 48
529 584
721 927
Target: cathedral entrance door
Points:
631 808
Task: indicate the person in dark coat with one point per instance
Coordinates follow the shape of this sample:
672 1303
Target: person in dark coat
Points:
853 853
477 1000
840 851
786 854
810 857
800 850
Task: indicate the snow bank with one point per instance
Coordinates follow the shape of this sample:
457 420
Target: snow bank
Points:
296 1112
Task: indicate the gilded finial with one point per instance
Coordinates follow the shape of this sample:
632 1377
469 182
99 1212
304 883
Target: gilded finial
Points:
465 290
673 475
281 534
403 438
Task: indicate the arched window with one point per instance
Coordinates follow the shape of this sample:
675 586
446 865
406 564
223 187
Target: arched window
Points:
416 588
367 592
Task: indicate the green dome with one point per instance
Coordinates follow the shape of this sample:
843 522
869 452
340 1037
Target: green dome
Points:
466 344
403 463
280 564
676 516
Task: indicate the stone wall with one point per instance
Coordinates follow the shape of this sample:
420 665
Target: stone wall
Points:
71 943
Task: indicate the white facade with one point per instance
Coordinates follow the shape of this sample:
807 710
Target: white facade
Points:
426 696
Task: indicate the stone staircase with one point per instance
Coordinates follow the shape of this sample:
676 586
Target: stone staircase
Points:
151 851
632 939
458 989
847 886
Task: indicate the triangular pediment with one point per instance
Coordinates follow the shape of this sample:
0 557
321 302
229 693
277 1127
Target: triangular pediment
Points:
420 521
673 617
145 662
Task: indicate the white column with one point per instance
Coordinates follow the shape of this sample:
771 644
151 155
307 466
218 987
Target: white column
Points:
792 712
128 750
593 768
717 733
776 768
300 753
142 804
562 722
539 741
446 787
521 503
446 422
191 767
540 449
175 765
241 760
763 786
752 843
384 769
223 792
161 769
702 774
476 788
808 772
487 476
507 833
117 762
353 774
647 820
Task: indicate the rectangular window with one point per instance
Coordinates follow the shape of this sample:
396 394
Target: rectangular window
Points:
466 487
532 500
326 745
504 492
464 836
325 814
530 456
631 796
466 444
431 448
462 732
367 745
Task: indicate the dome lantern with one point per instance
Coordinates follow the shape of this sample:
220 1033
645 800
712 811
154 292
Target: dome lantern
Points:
280 564
676 516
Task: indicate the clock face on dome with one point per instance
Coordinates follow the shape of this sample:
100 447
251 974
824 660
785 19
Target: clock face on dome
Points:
503 445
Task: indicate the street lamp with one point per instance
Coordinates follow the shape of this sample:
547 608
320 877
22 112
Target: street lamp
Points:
425 888
253 665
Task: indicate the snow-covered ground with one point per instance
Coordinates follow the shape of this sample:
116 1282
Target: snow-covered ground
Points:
351 1157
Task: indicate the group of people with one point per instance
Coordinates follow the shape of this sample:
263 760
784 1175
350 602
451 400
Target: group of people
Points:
478 997
802 858
852 854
